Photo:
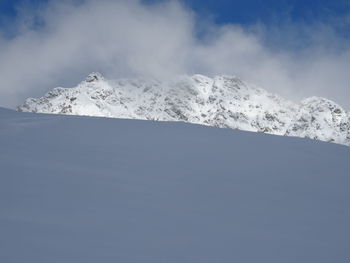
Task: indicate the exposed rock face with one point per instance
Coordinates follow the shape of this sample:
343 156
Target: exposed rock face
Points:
222 101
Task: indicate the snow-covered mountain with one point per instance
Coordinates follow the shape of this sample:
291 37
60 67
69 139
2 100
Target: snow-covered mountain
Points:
222 101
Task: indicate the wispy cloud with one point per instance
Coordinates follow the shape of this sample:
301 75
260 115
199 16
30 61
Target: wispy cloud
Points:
60 44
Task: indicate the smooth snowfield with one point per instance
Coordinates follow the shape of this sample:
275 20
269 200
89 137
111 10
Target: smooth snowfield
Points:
82 189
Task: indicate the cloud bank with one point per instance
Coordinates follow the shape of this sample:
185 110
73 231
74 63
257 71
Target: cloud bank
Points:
61 43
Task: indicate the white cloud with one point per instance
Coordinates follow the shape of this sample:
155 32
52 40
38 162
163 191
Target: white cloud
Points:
127 38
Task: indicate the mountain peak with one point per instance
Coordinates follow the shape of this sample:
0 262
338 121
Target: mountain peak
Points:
94 76
222 101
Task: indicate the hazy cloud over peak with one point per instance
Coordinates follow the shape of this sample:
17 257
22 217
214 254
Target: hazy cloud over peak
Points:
61 43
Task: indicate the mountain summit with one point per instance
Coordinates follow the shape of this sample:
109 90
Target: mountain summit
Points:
222 101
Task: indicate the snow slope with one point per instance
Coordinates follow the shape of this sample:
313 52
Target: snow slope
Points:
82 189
221 102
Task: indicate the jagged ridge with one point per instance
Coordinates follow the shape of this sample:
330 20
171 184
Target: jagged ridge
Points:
222 101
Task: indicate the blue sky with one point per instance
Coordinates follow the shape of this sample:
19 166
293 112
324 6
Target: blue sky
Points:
296 48
270 11
239 11
276 14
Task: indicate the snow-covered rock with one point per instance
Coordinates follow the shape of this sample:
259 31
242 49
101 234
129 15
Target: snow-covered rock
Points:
222 101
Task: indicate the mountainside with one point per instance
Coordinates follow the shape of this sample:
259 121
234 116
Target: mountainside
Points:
85 190
221 102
